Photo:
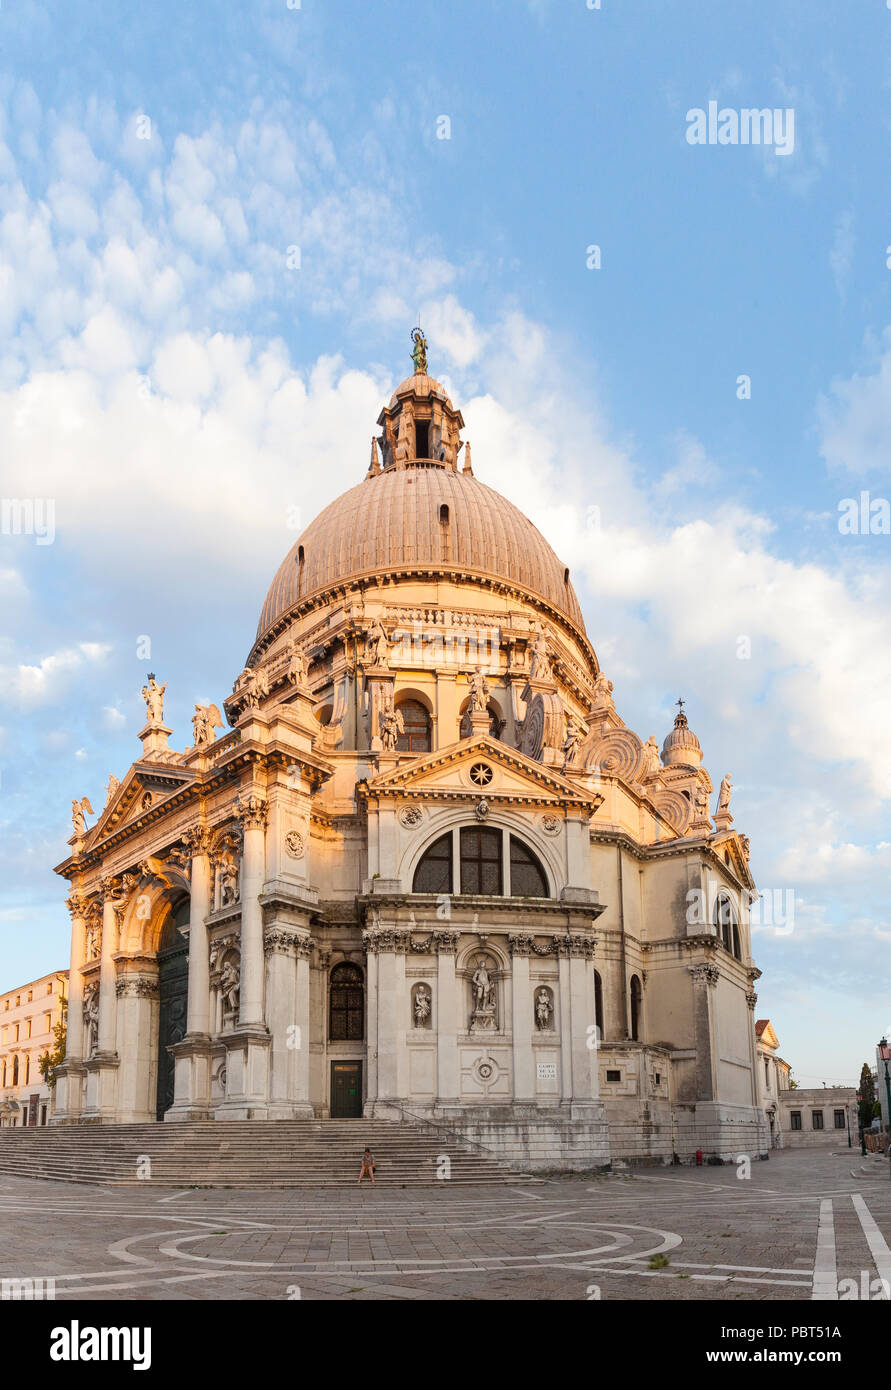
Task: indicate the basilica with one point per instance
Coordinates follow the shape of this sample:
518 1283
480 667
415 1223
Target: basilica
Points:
428 874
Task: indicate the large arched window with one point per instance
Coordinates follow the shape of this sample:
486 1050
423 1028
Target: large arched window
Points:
434 872
636 995
481 867
725 923
481 860
346 1014
416 725
527 878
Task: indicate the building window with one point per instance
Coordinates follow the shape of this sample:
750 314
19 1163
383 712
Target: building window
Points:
838 1117
766 1075
481 868
614 1076
527 879
434 872
657 1078
347 1004
485 857
636 996
49 988
15 1071
27 1069
795 1118
598 1005
725 924
415 737
817 1119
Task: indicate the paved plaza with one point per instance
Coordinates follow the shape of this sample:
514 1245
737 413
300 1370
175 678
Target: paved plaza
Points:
797 1227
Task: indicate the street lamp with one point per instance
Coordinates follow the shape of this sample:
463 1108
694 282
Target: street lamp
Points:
885 1054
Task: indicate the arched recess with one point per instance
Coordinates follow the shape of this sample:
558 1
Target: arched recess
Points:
636 999
346 1003
726 924
598 1005
417 726
173 990
496 719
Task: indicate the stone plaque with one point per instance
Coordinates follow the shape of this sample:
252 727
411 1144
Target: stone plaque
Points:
547 1071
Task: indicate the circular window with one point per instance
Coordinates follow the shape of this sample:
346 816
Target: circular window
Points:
480 775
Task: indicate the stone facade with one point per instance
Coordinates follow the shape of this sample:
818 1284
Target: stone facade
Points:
429 874
820 1118
774 1076
28 1015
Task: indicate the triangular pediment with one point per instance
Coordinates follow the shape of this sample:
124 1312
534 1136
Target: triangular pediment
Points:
767 1037
453 772
736 860
143 789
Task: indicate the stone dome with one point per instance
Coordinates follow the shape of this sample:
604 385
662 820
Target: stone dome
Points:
681 746
420 384
425 518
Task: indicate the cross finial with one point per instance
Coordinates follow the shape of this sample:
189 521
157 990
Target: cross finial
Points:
681 705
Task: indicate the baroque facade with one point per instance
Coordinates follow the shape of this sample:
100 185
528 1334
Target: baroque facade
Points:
429 874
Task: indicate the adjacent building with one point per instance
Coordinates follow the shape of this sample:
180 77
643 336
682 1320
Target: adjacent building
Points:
429 873
825 1116
774 1075
28 1015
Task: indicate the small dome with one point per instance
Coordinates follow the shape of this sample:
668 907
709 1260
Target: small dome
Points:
681 746
421 385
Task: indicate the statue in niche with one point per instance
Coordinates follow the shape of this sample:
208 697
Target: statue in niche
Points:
483 989
422 1006
92 940
543 1010
700 799
296 672
91 1017
479 692
228 883
724 793
539 661
153 694
392 725
77 815
205 721
377 645
230 987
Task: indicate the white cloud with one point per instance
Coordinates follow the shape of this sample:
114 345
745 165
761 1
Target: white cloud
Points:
44 683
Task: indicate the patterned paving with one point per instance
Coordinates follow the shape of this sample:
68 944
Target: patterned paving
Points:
797 1227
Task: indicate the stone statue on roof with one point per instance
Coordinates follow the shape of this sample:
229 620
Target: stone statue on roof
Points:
419 351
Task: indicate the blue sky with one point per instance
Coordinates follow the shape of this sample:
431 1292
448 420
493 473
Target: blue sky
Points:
184 395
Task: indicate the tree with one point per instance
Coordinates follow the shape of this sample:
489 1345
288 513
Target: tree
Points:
867 1095
793 1085
50 1060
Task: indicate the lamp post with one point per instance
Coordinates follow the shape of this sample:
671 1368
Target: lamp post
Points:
848 1113
885 1054
860 1123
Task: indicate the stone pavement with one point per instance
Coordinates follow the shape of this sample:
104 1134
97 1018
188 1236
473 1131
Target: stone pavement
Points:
800 1224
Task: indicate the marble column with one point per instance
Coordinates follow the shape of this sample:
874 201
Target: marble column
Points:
252 813
371 1016
111 890
585 1084
562 944
448 1022
522 1017
287 1008
70 1075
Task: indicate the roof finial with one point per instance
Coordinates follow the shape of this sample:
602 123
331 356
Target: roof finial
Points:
419 352
680 717
375 466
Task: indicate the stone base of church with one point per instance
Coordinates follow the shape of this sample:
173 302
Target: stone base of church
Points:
667 1133
572 1136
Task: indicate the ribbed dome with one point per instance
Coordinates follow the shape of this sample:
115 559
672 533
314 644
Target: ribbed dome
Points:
393 521
681 746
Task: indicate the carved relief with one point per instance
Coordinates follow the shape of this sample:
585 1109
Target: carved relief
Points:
294 844
410 817
136 987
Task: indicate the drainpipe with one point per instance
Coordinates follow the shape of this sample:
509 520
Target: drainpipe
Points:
622 937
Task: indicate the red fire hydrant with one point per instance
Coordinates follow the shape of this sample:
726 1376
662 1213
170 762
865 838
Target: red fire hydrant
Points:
699 1158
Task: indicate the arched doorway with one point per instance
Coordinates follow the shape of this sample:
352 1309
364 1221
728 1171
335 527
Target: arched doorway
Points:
173 989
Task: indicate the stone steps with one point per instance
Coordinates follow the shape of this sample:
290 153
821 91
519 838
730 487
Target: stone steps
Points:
252 1154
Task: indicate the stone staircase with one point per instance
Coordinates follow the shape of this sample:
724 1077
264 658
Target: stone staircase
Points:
250 1154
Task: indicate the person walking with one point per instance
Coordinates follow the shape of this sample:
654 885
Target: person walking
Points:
367 1166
